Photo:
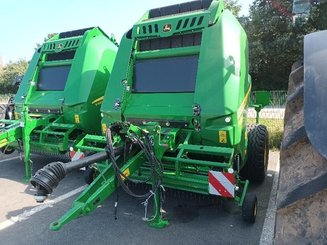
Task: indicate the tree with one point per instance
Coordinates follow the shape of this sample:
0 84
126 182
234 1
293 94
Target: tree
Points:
49 36
316 21
9 73
273 45
275 42
233 6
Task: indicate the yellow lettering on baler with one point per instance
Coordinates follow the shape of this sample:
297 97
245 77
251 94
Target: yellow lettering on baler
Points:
244 103
222 137
77 118
104 128
98 101
126 173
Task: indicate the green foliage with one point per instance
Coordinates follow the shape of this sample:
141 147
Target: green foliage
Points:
12 70
273 47
8 75
4 98
315 21
275 43
48 37
234 6
318 18
275 129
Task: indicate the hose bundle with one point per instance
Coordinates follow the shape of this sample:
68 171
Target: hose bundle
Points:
155 164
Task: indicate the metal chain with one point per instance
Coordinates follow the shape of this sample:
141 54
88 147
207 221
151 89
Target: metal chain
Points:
145 203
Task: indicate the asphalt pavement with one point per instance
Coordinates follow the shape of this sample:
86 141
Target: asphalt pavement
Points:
192 221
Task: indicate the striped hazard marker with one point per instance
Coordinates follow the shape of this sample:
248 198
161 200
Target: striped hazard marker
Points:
221 184
76 155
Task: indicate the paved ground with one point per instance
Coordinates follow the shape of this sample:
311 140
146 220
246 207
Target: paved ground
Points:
22 221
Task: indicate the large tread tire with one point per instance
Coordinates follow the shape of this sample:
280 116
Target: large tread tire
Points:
301 206
255 168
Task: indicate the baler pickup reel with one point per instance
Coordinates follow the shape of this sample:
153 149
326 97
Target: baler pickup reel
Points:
136 154
128 147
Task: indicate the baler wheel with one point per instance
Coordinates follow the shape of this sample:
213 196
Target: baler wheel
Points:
249 208
256 165
89 175
9 114
7 150
9 110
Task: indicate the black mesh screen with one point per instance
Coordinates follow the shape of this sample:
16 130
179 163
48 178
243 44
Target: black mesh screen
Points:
74 33
53 78
179 8
176 41
165 75
67 55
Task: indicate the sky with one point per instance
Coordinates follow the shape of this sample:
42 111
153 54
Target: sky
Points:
24 23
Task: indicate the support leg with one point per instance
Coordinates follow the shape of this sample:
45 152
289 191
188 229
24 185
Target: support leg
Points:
27 158
157 221
28 127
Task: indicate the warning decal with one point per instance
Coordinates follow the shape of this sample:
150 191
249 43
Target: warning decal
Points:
76 155
221 184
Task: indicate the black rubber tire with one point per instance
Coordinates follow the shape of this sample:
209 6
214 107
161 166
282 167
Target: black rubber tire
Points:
89 175
255 168
7 150
9 113
302 192
249 208
10 109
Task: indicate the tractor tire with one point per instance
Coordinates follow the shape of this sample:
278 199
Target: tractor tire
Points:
249 208
255 168
89 175
301 199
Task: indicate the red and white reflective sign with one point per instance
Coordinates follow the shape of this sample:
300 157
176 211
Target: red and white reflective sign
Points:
221 184
76 155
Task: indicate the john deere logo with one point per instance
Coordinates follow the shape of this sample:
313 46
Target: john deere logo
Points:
167 28
59 47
